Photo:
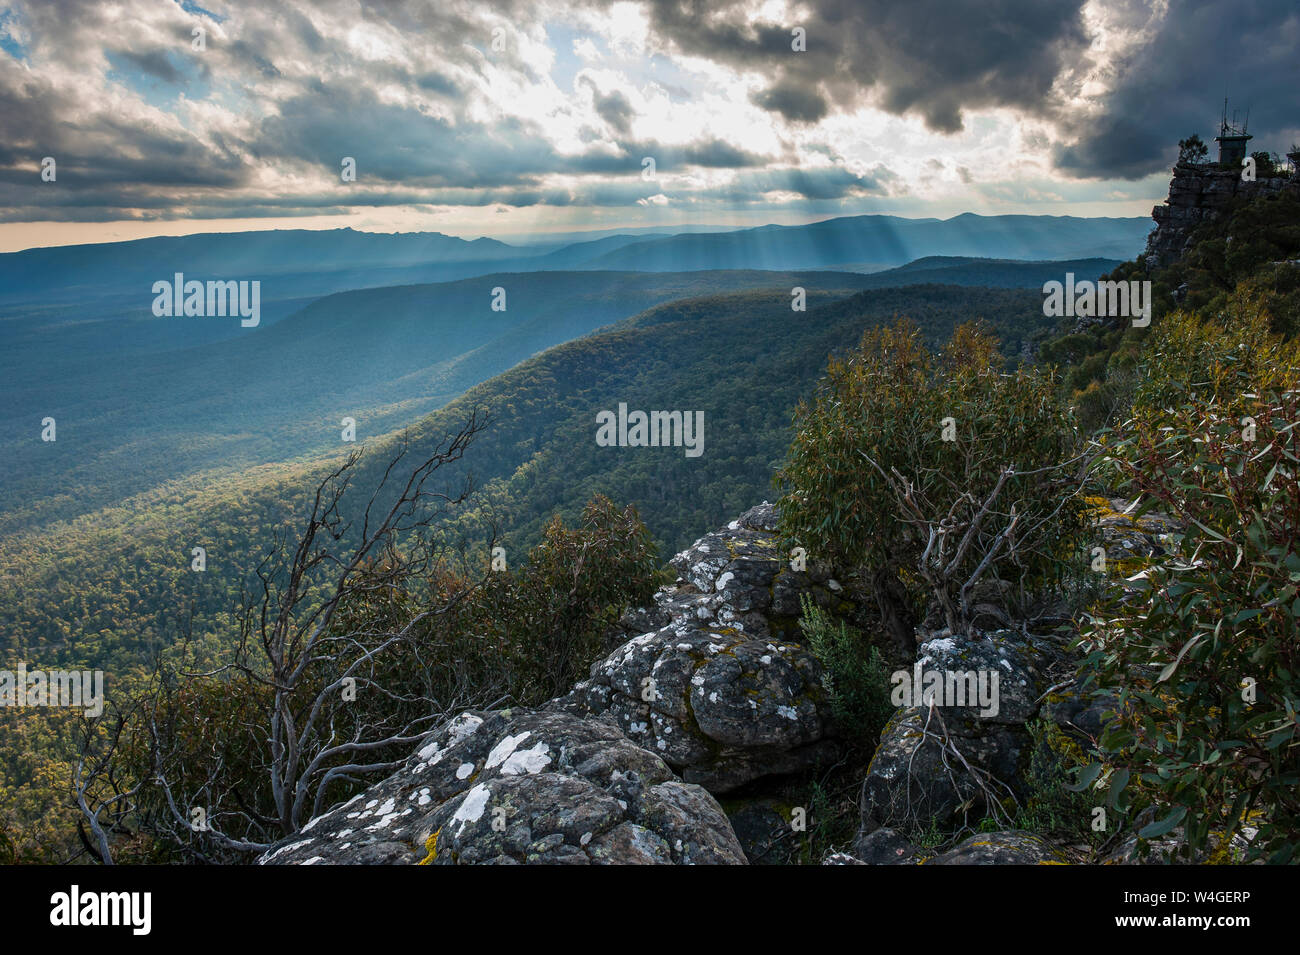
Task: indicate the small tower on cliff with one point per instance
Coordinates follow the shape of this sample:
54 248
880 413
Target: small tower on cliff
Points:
1232 139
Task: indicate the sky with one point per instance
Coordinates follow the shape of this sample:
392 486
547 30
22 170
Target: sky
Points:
518 119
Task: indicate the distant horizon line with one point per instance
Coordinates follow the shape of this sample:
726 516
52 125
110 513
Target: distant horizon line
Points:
558 236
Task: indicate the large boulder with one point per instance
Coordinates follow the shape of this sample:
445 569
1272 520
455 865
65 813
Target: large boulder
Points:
717 684
936 763
522 787
721 708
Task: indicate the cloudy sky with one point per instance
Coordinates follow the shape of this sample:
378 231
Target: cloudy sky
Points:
517 118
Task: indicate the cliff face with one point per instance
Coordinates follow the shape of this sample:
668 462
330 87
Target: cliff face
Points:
1198 192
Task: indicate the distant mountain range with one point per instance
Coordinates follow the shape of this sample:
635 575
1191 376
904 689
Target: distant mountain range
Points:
867 242
306 264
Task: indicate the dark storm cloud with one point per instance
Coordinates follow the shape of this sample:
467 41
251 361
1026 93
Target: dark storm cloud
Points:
613 107
934 58
792 101
1176 84
616 110
709 154
140 158
398 144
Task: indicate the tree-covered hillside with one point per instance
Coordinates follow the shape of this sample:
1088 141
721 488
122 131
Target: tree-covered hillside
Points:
130 418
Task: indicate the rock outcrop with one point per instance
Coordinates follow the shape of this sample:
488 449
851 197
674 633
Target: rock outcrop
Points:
710 691
1128 539
522 787
1197 193
707 682
718 688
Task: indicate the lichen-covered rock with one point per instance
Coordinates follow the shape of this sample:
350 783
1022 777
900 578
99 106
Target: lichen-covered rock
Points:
1001 848
721 708
919 775
718 687
936 763
1080 711
841 858
522 787
743 580
1020 662
1128 538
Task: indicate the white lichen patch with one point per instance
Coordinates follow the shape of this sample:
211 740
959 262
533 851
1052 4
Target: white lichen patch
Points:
471 807
463 771
502 750
462 728
289 848
941 645
458 730
527 761
387 813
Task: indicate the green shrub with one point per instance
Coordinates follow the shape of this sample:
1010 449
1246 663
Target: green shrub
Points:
854 676
550 615
1215 621
832 822
885 405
